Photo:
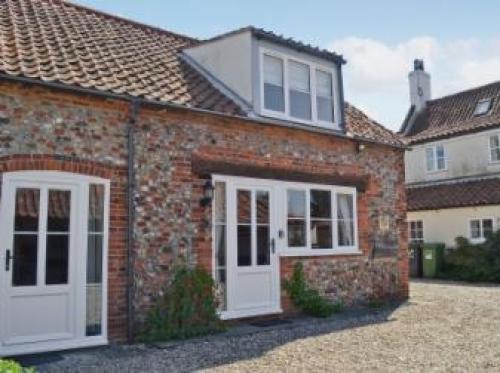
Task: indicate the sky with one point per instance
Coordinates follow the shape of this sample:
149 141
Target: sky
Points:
459 40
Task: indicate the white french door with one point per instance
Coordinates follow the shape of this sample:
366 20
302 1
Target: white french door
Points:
252 263
46 251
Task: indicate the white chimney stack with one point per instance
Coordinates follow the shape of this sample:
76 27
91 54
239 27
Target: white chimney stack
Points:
420 85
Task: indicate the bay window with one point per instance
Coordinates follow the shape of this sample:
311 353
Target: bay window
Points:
297 90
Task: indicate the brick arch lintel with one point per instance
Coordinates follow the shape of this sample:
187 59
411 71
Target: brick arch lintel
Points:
46 162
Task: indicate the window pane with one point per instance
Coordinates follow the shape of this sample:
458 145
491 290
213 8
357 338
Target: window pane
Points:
58 210
296 203
244 246
262 207
220 245
274 97
475 229
494 143
321 234
325 109
321 206
220 202
324 84
56 266
273 70
429 153
495 154
27 210
296 233
346 232
300 91
244 206
24 269
96 208
345 215
263 245
487 227
345 206
95 260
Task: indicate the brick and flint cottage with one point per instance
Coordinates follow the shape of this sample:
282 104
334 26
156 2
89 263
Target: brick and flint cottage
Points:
124 147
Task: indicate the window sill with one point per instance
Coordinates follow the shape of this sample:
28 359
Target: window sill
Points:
282 116
320 252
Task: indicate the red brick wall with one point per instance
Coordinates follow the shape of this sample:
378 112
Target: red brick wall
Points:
73 131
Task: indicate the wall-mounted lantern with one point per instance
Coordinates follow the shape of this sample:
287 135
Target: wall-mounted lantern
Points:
208 193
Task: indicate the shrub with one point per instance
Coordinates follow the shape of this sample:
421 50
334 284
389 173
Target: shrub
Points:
187 309
474 262
307 299
9 366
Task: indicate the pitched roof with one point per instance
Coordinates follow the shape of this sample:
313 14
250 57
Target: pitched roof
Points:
360 124
454 194
58 41
454 115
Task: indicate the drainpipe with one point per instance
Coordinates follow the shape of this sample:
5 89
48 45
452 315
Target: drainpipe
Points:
134 109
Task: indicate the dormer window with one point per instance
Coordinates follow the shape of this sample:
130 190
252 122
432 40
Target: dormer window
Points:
483 107
297 90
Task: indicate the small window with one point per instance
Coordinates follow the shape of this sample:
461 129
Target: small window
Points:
321 219
324 96
296 218
416 231
483 107
495 148
435 158
274 95
479 229
300 90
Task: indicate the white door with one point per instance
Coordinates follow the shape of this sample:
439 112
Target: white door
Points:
38 268
252 262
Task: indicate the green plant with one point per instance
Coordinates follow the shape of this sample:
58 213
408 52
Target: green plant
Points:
307 299
187 309
9 366
474 262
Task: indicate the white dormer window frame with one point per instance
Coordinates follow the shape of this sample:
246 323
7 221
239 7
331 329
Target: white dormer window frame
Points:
313 68
434 161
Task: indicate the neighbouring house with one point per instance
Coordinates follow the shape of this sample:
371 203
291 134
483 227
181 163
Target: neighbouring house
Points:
453 166
124 147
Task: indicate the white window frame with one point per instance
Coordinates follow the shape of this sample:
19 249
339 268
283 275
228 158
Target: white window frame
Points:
488 101
481 239
435 168
307 250
497 135
410 230
312 76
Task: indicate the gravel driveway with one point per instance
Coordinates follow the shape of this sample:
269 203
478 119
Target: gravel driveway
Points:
444 327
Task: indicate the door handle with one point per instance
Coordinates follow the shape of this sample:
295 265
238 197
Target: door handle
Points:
273 245
8 258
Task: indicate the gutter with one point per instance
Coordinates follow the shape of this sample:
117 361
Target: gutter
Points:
170 105
134 110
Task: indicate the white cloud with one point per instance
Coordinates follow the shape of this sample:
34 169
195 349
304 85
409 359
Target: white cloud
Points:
376 75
